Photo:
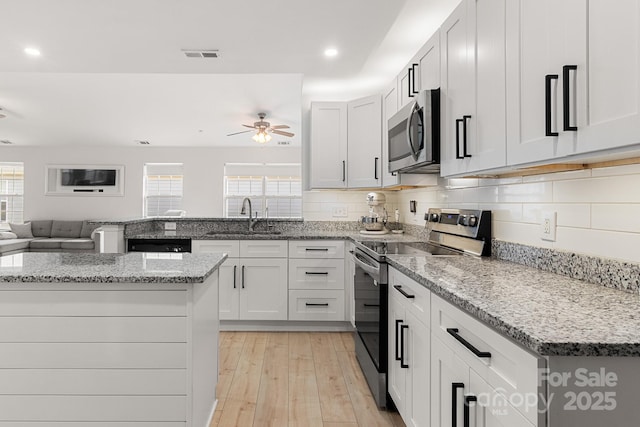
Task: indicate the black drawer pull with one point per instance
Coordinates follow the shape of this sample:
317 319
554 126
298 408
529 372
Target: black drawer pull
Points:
454 403
402 364
547 104
242 277
398 321
312 273
372 305
566 114
458 156
467 400
464 136
316 304
406 295
413 79
454 333
317 249
235 268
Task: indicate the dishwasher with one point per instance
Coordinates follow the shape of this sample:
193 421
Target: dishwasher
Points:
159 245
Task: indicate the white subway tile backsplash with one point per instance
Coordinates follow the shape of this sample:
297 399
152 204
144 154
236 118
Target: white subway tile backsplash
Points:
558 176
618 217
503 211
487 182
519 232
535 192
569 214
612 189
609 244
617 170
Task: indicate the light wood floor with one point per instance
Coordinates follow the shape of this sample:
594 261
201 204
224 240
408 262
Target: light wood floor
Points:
287 379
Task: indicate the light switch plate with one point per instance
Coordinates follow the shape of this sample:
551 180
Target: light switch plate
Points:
340 212
169 225
548 226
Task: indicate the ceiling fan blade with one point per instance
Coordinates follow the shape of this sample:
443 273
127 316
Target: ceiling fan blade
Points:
280 127
237 133
281 132
247 126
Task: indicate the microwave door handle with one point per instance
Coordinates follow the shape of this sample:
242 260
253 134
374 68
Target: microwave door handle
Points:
409 121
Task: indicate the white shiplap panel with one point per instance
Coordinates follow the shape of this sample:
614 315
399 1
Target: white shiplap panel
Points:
93 408
92 303
92 355
93 329
93 381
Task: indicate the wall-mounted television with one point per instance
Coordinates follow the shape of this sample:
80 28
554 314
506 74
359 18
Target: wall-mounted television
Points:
88 177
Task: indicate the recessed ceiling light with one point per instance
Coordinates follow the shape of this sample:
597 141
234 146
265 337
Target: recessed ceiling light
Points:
32 51
331 52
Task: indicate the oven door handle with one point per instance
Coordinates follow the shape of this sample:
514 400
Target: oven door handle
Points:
368 267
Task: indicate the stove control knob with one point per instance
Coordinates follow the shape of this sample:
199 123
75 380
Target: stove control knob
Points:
473 220
463 220
434 217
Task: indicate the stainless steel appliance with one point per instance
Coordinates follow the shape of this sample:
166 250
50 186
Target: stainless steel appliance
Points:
377 218
414 135
158 245
452 232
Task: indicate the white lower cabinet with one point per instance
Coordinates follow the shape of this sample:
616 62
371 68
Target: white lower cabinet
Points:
253 280
409 350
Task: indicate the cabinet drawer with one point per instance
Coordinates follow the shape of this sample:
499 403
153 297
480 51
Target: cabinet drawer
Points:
415 296
316 249
263 248
230 247
510 367
316 305
316 274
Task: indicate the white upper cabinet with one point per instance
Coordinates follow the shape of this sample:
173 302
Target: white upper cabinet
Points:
573 77
428 60
473 61
364 163
328 155
389 108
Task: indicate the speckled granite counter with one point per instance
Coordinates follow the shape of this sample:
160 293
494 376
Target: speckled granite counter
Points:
108 268
291 235
550 314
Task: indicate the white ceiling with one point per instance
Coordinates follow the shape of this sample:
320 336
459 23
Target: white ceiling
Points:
112 72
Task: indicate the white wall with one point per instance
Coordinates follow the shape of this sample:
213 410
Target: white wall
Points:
598 210
203 181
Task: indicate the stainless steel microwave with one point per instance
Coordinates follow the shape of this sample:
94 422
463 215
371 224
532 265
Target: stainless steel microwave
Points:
414 135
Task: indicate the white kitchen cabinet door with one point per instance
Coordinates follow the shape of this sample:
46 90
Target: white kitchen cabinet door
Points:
364 162
449 383
457 96
418 351
407 84
612 79
429 64
328 154
229 290
263 289
543 37
389 108
396 374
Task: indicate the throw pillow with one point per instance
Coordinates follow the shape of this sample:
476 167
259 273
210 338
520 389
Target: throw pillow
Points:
4 235
23 231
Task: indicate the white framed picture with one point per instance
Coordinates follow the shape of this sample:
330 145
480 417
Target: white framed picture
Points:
84 180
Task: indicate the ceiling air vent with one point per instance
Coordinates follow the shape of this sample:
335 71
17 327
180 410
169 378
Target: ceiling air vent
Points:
284 142
193 53
143 142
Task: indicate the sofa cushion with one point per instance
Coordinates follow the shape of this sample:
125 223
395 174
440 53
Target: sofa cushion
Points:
23 231
78 244
47 243
69 229
13 245
87 229
5 235
41 228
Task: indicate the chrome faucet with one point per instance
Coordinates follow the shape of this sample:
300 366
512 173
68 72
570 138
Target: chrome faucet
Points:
243 211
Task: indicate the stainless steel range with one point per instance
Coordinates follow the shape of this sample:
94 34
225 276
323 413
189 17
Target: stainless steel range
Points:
451 232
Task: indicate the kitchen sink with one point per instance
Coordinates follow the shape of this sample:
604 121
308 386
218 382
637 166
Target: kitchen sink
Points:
243 233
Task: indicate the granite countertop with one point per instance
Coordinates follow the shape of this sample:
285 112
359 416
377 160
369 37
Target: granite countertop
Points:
552 315
292 235
133 267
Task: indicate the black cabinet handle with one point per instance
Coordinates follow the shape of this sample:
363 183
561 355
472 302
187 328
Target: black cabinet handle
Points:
242 277
464 136
235 268
344 171
467 400
316 273
375 167
454 333
413 79
458 156
398 321
406 295
316 249
371 305
402 328
409 79
547 104
454 403
313 304
565 97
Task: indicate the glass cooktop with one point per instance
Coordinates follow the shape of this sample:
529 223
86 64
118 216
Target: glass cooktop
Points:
407 248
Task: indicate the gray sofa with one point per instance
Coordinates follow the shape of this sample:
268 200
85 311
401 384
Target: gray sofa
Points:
54 236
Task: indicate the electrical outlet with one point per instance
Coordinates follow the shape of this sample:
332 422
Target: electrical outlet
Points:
340 212
169 225
548 226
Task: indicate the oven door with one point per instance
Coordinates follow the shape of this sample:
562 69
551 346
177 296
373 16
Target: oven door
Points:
370 293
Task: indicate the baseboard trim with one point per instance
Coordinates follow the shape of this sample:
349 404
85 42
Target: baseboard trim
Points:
284 326
213 411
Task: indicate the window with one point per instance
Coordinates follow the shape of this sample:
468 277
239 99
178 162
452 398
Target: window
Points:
11 192
162 188
273 186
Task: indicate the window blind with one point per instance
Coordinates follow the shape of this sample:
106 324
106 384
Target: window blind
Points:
11 193
163 188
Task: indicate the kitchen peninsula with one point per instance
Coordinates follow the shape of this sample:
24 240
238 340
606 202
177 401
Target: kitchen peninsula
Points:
108 339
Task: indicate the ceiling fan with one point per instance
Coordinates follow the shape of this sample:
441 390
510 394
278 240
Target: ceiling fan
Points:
263 129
